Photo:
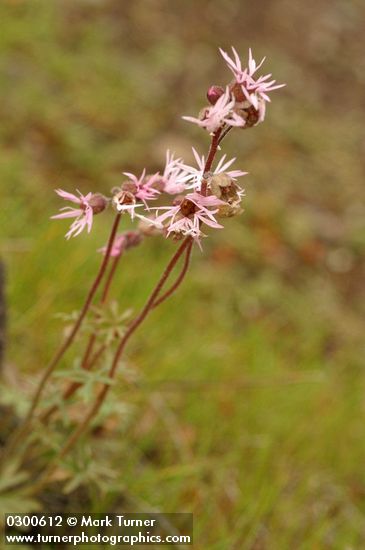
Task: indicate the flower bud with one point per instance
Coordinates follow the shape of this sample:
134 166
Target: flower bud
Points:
98 203
214 93
132 238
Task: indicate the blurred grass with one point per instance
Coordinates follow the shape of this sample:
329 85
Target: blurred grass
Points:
250 411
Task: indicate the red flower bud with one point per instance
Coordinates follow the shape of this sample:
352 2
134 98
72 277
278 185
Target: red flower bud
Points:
214 93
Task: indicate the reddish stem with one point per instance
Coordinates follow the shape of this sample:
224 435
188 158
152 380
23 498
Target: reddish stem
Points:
208 164
86 364
224 133
103 299
72 388
109 280
179 279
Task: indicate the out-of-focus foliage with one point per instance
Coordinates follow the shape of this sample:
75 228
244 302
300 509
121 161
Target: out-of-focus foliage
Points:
248 408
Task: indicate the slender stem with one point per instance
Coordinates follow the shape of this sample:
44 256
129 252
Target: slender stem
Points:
179 279
73 388
86 363
208 164
75 385
131 329
104 296
224 133
110 278
17 435
88 350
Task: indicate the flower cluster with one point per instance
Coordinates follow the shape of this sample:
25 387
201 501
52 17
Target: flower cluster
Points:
202 192
241 103
198 174
186 215
222 111
135 192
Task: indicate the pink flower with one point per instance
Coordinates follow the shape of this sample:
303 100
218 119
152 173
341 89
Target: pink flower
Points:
219 114
144 189
174 176
197 174
125 201
187 217
235 65
83 214
254 90
252 66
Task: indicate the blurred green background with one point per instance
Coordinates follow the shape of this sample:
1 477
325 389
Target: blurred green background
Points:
250 405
